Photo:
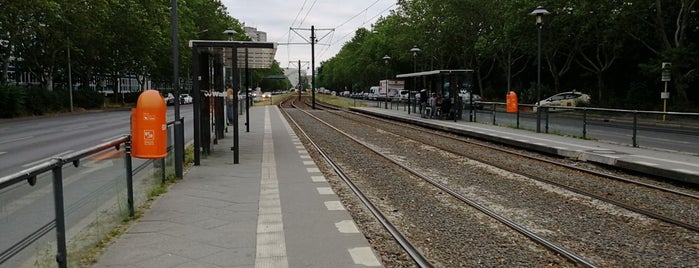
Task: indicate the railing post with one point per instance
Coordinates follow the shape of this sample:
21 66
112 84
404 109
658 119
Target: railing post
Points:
584 130
61 249
129 176
494 111
517 116
547 120
635 128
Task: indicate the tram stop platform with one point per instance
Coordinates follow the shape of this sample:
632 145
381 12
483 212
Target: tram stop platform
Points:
671 165
274 209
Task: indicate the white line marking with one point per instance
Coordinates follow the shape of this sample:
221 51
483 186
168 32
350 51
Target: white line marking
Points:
364 256
305 156
299 147
334 205
318 179
271 246
347 227
325 191
647 163
46 159
686 171
308 163
1 153
17 139
669 161
313 170
302 152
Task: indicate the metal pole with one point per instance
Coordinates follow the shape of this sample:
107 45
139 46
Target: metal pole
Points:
129 177
313 66
410 103
538 77
61 249
70 79
247 94
665 103
179 139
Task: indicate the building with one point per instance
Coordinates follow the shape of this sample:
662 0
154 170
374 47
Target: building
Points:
254 34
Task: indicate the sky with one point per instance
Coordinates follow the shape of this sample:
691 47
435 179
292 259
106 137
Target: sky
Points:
335 22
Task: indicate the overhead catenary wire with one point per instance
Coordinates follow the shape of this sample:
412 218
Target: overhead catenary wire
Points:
353 32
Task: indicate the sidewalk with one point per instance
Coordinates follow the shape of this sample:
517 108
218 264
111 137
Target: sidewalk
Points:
274 209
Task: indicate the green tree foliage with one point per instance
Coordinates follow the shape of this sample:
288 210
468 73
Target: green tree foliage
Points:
106 39
609 49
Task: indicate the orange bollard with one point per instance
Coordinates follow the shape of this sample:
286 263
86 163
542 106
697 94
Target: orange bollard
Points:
512 104
149 126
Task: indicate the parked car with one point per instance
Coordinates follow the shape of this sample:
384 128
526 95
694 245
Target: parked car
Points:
467 98
185 98
566 99
169 99
266 95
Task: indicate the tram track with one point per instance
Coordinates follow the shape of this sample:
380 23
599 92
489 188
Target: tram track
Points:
604 238
414 253
602 195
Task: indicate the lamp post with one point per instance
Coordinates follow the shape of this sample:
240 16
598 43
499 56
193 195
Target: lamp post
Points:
414 50
539 12
385 101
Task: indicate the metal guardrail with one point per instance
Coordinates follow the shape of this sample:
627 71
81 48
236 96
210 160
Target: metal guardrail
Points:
584 117
634 120
55 166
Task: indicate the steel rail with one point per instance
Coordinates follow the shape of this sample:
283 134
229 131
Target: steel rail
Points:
524 231
400 239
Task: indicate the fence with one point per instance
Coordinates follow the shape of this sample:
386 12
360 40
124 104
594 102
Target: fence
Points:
91 192
627 127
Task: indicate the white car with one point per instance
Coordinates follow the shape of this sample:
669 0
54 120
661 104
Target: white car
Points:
185 98
566 99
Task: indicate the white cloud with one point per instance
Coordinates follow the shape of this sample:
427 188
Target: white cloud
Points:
275 17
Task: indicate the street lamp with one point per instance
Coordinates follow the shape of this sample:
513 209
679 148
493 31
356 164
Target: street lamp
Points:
230 33
539 12
385 60
414 50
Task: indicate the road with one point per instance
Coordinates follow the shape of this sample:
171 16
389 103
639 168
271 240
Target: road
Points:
90 190
26 142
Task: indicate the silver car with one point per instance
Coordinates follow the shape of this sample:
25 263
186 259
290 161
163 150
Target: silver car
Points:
566 99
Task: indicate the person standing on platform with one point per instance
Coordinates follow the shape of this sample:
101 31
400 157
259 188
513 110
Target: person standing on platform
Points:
230 106
423 102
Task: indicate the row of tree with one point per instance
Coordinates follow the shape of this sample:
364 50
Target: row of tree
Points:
106 39
611 49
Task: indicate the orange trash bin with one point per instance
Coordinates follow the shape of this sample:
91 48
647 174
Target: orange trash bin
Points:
512 103
149 126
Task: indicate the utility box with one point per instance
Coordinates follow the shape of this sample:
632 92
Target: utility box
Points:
149 126
512 102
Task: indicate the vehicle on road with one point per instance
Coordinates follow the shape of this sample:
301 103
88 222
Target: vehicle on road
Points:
467 98
169 99
185 98
566 99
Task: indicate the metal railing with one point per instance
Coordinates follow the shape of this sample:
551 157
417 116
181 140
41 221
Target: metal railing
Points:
581 122
589 123
88 202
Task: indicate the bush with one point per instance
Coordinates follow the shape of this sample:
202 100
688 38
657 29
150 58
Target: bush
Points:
12 101
18 101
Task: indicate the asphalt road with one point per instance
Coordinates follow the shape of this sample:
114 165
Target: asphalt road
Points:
26 142
92 187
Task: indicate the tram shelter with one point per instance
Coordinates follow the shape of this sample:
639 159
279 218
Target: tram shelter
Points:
217 65
448 83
